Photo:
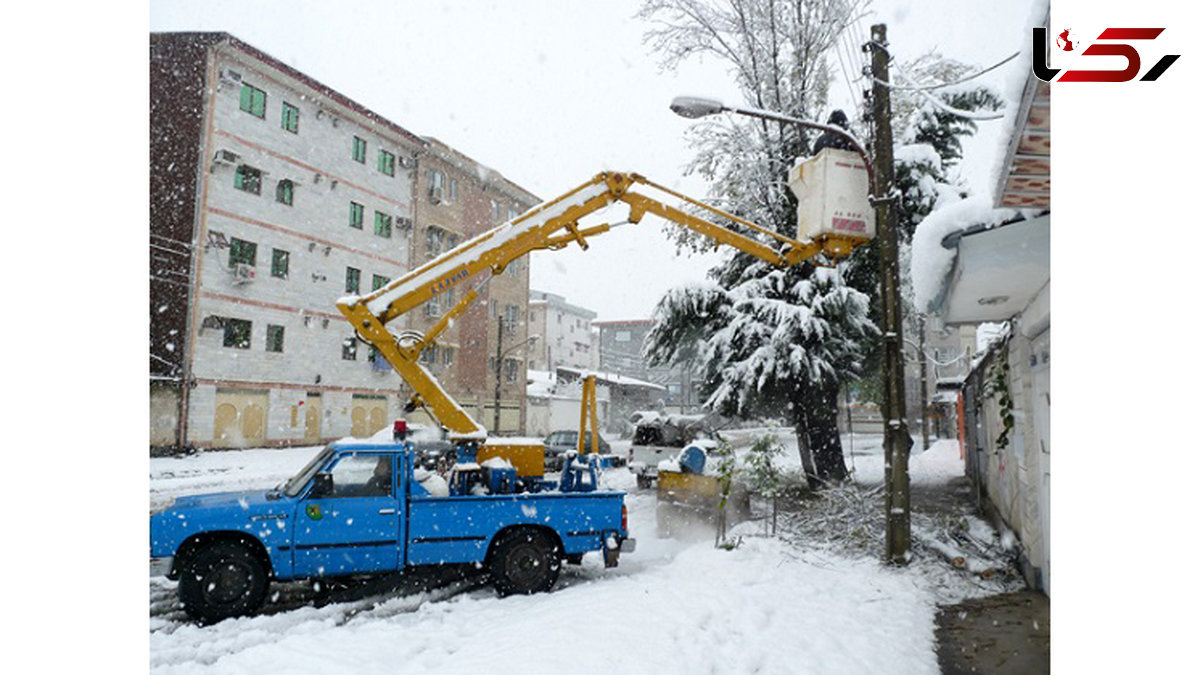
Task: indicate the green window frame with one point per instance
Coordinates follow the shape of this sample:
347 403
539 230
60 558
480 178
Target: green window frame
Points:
237 333
356 215
279 263
290 119
353 277
284 192
274 338
248 179
242 252
359 150
383 224
387 163
378 281
254 101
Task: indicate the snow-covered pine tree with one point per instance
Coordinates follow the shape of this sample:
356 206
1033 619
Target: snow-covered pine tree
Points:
775 342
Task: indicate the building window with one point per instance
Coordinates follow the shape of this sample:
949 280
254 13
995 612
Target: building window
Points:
248 179
378 282
447 355
429 354
514 268
283 192
624 336
383 224
242 252
492 308
237 333
433 242
356 215
291 118
512 213
437 183
274 338
387 163
254 101
352 277
359 152
279 263
496 213
511 314
350 349
511 366
453 189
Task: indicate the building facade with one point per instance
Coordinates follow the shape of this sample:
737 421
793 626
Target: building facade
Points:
271 196
457 199
621 352
565 330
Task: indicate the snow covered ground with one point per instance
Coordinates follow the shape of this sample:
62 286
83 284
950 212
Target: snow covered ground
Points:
769 605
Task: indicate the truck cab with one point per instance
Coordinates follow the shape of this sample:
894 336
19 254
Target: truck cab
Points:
360 508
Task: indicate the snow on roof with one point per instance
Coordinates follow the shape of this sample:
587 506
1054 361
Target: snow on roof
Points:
1012 89
540 383
612 378
931 260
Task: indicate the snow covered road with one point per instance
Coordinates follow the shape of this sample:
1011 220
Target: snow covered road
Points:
671 607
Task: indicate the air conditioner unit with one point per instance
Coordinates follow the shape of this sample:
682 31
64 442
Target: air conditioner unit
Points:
435 195
243 273
404 222
405 162
232 75
226 157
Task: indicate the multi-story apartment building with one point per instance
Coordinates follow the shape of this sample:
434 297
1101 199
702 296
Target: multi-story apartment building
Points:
271 195
565 330
459 198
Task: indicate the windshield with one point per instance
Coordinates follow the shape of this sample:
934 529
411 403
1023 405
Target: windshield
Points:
297 482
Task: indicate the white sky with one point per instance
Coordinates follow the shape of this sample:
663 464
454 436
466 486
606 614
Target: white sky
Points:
549 94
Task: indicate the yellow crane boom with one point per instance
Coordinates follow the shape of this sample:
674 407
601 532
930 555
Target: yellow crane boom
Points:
551 225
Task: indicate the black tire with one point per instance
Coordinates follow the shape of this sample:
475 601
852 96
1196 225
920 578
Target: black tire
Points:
523 562
222 580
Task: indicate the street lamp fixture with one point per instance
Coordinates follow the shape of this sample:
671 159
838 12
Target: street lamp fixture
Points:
694 107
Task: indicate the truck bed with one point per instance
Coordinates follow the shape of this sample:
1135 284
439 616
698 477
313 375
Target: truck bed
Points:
460 529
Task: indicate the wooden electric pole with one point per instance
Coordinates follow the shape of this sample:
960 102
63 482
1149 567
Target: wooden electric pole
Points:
896 441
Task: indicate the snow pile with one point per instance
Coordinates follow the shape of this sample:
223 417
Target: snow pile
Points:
497 463
931 261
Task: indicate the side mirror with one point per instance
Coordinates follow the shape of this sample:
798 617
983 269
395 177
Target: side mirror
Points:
322 486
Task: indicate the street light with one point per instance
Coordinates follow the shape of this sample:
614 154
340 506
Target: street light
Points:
499 364
694 107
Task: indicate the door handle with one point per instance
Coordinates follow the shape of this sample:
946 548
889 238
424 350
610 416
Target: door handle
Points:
387 512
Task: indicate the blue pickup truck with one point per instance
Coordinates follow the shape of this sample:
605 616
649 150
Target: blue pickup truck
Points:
361 508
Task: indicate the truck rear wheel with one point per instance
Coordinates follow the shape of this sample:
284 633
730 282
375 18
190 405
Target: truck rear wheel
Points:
524 562
222 580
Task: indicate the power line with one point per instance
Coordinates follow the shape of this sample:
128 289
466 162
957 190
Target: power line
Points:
931 87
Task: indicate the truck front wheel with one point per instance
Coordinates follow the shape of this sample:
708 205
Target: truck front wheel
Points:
524 561
222 580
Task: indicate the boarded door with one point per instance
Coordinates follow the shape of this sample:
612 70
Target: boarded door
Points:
312 417
368 415
241 419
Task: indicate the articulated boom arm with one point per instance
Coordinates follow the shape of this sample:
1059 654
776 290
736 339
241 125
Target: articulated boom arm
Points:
551 225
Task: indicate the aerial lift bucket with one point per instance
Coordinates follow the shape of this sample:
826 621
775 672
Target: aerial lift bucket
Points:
834 205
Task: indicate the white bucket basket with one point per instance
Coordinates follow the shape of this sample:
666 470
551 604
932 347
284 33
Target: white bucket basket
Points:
833 190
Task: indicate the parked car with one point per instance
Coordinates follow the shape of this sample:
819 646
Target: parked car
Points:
559 442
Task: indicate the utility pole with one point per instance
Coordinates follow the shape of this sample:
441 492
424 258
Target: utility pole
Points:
896 441
922 360
499 356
